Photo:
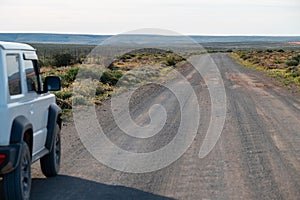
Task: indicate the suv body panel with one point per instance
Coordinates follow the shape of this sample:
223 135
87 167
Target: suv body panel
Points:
32 105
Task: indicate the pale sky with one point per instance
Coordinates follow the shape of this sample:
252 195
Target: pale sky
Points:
189 17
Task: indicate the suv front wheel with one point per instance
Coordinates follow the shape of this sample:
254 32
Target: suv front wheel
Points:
17 184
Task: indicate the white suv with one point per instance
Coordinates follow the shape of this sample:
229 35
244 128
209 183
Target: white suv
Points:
30 120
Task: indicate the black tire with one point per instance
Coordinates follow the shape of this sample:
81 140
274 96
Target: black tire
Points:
17 184
50 163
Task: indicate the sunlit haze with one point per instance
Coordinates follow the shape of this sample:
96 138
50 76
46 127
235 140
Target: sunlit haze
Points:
193 17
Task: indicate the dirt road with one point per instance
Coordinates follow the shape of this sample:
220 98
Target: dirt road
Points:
256 157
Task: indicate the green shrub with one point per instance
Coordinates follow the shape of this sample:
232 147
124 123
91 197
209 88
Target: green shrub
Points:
296 57
254 60
170 60
278 62
295 73
125 57
258 51
290 69
286 83
62 59
245 56
292 62
63 104
71 74
100 91
118 73
110 77
79 100
63 94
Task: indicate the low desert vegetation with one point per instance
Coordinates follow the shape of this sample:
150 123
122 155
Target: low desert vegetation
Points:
283 65
131 69
62 54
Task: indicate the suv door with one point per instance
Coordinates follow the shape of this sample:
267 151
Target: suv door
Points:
37 105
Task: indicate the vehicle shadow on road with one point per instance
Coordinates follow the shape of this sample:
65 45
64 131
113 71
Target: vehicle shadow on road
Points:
66 187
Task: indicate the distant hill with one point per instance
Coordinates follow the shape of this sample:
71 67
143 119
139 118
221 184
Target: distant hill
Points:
52 38
97 39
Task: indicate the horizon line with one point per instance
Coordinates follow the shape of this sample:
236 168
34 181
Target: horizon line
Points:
108 34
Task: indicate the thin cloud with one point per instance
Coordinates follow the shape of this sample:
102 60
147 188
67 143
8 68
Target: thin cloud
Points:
217 17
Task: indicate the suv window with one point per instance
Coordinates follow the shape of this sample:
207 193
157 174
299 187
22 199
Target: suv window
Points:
31 78
13 74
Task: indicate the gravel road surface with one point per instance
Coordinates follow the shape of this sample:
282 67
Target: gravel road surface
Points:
256 157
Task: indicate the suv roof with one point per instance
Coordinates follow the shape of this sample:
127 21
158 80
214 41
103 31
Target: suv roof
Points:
15 46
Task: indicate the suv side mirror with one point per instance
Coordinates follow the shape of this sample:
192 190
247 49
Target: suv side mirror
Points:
52 83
